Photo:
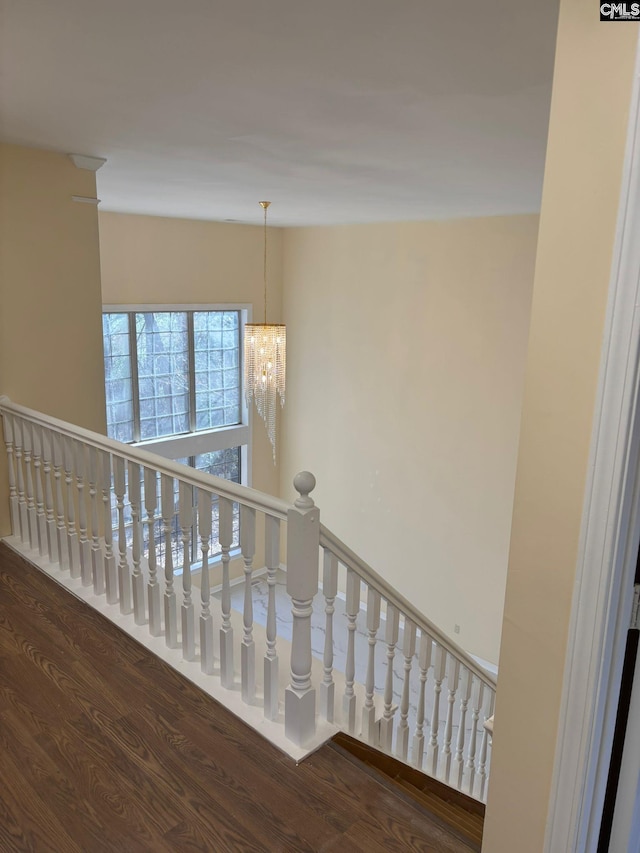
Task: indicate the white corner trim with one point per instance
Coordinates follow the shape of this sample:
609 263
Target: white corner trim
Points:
608 542
85 199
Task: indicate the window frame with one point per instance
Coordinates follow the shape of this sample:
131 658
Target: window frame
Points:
196 442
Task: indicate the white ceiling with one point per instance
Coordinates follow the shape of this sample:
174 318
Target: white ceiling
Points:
335 110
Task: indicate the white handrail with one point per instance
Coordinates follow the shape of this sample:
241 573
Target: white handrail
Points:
224 488
351 560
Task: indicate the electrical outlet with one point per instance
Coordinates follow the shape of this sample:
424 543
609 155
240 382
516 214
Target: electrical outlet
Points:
456 629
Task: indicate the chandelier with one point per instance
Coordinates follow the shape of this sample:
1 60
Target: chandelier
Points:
265 354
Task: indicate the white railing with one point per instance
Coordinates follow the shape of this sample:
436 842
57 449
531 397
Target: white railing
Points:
404 713
135 533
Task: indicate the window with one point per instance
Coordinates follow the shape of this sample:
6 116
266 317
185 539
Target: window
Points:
169 373
173 384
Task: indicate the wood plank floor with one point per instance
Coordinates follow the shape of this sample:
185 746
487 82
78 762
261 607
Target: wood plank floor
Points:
105 748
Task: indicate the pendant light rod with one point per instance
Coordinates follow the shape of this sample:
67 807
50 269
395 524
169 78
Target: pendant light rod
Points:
264 205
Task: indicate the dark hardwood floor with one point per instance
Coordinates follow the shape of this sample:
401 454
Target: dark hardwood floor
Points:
105 748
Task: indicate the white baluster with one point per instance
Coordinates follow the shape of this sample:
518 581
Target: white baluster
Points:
37 476
225 536
97 558
329 590
424 662
137 578
124 572
110 572
22 500
477 699
439 670
170 607
272 560
206 619
352 609
369 711
453 676
488 706
73 548
303 542
458 760
408 651
188 615
85 545
153 587
391 640
11 463
27 439
247 648
61 525
47 459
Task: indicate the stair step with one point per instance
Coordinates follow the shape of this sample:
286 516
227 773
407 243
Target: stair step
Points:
470 825
458 811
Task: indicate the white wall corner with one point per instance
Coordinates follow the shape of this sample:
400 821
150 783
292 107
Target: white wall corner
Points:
608 546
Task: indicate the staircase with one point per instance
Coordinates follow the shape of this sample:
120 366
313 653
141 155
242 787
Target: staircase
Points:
145 541
460 813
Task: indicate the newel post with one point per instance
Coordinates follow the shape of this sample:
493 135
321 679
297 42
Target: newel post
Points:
303 543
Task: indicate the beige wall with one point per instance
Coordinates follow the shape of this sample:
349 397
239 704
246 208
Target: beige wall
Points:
406 351
591 92
50 338
157 260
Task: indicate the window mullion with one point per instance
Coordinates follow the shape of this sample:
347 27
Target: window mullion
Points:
192 371
241 418
135 385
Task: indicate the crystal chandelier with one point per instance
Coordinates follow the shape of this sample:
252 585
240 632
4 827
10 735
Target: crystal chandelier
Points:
265 355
